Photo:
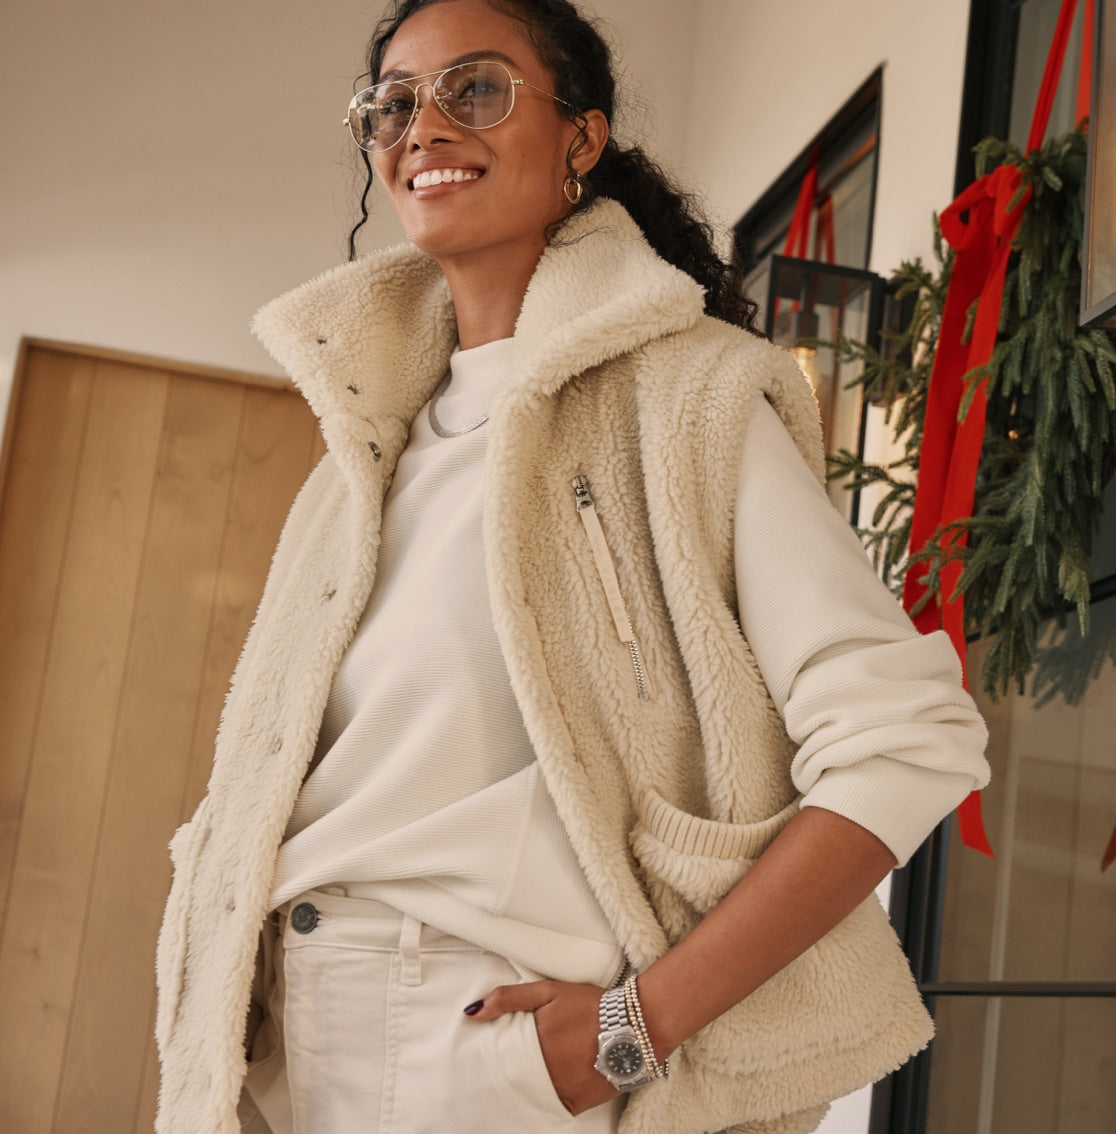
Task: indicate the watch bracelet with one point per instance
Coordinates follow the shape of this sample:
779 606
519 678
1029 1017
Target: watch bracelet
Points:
635 1021
613 1012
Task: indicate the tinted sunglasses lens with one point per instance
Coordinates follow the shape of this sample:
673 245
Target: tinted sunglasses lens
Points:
476 95
379 116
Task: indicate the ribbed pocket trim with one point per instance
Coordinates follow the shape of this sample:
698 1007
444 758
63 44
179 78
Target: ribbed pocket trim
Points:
709 838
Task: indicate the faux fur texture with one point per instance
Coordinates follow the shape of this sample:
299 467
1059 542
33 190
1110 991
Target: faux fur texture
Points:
667 801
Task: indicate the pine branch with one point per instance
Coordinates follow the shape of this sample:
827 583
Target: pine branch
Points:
1050 440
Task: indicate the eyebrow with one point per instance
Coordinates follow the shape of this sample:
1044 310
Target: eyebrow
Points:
468 57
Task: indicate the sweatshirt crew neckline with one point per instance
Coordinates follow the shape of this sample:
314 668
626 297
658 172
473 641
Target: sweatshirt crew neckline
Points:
475 377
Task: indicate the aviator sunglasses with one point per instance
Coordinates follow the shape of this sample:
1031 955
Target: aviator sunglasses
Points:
474 95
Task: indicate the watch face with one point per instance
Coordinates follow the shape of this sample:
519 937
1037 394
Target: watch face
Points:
624 1058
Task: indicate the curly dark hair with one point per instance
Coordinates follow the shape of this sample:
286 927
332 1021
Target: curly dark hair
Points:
580 64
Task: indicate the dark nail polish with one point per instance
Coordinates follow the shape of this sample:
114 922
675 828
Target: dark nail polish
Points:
474 1008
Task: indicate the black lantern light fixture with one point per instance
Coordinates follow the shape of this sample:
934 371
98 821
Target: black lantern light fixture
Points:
805 305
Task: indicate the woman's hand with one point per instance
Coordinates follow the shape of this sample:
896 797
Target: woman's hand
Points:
567 1023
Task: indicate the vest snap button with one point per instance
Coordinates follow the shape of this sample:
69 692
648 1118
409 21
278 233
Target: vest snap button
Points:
304 917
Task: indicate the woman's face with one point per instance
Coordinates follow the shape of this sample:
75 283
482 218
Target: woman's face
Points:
512 173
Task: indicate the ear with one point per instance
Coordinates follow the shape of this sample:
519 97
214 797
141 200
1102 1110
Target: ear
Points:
590 142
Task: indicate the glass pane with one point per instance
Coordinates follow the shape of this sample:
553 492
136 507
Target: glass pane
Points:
850 185
1043 909
839 397
1023 1066
1037 19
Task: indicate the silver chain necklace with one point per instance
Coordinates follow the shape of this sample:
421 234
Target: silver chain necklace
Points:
437 426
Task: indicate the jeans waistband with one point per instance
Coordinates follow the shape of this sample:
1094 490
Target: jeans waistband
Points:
325 917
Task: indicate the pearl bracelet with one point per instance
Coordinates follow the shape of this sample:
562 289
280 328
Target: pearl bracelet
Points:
635 1019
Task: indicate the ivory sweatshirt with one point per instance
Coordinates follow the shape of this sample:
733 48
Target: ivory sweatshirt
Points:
425 792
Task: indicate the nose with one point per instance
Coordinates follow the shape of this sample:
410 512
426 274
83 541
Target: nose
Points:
426 127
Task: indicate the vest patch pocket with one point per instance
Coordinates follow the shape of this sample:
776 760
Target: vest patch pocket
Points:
840 1015
602 557
690 863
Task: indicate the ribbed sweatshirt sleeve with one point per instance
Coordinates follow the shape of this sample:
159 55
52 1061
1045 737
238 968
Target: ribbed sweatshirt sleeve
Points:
886 734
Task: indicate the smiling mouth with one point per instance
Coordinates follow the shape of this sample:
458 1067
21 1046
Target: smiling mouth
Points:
442 177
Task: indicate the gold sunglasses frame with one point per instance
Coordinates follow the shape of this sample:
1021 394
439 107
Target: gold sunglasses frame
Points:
431 79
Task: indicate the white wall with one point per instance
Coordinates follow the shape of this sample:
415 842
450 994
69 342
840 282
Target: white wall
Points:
169 165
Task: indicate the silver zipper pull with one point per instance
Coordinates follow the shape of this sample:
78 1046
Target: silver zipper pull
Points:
582 499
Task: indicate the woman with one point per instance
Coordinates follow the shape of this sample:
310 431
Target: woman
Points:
552 755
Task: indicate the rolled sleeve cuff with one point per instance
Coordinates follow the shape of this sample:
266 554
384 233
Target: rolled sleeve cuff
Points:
899 803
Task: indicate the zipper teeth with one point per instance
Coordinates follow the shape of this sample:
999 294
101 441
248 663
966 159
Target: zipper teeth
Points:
606 569
637 665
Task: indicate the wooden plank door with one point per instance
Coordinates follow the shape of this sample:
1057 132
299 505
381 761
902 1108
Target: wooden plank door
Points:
139 506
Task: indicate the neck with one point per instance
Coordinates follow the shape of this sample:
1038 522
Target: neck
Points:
488 295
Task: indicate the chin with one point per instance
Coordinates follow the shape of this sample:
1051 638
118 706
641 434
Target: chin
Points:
450 241
440 243
433 230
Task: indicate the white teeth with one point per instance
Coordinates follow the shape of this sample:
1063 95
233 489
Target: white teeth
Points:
441 176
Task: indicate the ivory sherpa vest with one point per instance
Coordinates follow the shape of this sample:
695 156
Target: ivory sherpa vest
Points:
669 783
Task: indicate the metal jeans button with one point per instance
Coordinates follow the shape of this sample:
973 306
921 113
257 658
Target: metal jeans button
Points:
304 917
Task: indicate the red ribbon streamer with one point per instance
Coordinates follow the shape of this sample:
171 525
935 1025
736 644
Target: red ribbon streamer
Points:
1085 80
1053 73
980 226
1109 856
951 447
825 247
798 235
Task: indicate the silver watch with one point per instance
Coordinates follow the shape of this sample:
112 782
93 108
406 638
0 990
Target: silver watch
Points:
619 1057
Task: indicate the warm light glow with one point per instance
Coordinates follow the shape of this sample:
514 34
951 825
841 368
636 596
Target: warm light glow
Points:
807 359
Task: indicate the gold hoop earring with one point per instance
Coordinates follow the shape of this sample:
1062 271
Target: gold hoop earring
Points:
573 188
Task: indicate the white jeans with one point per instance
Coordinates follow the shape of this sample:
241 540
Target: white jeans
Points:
366 1034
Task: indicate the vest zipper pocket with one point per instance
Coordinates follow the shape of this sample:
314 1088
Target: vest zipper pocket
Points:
606 569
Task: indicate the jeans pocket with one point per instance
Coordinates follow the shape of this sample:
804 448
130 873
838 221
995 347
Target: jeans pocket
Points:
516 1063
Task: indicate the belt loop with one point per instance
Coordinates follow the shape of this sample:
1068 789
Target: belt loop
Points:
410 933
